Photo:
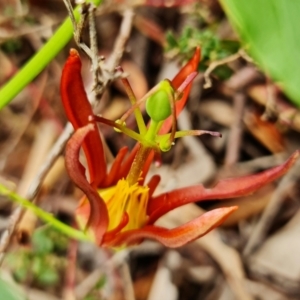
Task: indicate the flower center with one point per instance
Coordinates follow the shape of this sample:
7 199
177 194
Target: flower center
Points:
132 199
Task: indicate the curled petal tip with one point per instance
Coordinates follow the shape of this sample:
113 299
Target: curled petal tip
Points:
212 133
290 162
179 236
83 131
73 52
98 215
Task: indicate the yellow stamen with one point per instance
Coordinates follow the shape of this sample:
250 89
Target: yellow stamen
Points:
122 198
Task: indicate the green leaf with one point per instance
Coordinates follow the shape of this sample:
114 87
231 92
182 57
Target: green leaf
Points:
48 277
171 40
9 291
268 29
41 242
212 47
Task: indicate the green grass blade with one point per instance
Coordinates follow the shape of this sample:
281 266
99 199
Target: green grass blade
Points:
45 216
37 63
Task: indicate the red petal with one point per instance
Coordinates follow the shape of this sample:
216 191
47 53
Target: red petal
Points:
152 184
190 67
128 162
79 111
111 234
114 174
98 213
224 189
176 237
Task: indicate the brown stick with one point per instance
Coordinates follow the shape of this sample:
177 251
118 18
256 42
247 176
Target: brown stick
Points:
267 218
236 131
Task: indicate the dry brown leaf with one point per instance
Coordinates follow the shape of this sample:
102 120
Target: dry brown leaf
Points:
264 292
217 110
248 206
287 114
150 29
278 260
265 132
117 107
162 285
142 286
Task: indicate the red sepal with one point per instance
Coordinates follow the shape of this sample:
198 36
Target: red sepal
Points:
113 175
111 234
79 112
98 215
190 67
224 189
152 184
176 237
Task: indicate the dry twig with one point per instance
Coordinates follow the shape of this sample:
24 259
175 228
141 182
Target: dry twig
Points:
236 131
127 282
226 60
70 274
83 289
267 218
36 158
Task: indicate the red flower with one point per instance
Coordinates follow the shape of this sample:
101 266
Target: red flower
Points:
118 208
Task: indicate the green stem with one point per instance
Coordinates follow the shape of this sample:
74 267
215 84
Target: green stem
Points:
152 131
137 113
40 60
45 216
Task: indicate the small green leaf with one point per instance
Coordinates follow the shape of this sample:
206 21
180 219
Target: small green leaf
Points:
9 292
48 277
171 40
37 265
41 242
11 46
20 274
212 47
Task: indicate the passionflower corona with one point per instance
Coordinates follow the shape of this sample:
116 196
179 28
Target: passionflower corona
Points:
119 208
